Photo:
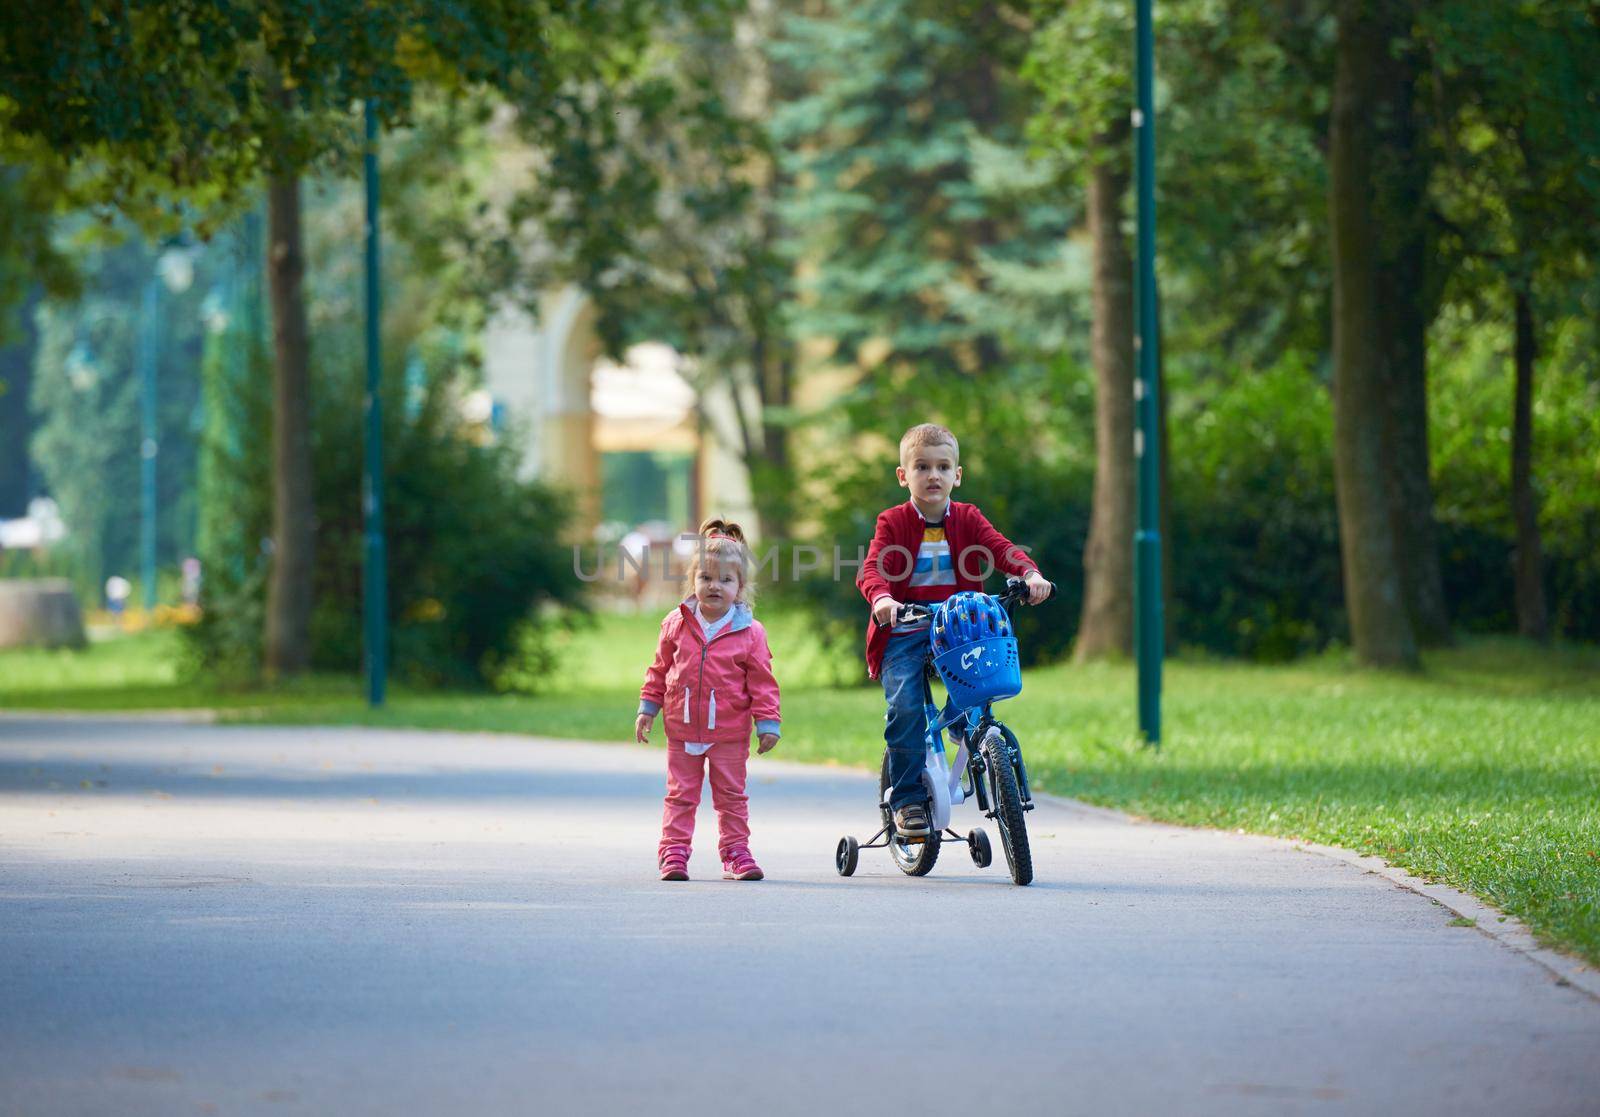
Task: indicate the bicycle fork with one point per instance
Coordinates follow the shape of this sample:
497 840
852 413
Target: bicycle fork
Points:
975 764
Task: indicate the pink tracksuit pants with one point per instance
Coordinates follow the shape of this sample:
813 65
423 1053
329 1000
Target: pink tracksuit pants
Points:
725 763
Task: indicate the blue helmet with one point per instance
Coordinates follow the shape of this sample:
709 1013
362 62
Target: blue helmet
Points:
975 650
966 618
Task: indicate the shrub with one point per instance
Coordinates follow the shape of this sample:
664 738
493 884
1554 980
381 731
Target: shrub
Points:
476 561
1255 547
475 554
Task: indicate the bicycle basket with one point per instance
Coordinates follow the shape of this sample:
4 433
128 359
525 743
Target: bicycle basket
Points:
982 671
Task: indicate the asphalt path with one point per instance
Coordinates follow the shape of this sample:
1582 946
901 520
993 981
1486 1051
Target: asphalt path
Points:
202 919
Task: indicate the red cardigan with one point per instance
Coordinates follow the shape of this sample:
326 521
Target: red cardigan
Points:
975 546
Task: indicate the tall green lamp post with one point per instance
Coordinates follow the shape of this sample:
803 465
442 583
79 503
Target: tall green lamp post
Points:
174 269
149 436
375 581
1149 627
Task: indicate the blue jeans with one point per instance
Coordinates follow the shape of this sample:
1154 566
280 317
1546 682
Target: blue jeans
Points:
906 731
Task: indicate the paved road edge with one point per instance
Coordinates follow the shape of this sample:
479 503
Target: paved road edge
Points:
1507 930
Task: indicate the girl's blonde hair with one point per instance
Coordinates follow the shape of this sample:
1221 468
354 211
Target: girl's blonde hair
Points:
723 541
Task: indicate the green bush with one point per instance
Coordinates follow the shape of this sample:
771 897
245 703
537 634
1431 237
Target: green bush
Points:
477 566
234 478
475 554
1471 398
1255 547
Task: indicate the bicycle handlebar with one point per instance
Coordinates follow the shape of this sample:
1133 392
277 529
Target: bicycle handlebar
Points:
1016 590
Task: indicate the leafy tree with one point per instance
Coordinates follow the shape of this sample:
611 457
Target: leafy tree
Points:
1520 146
1082 59
938 279
657 193
933 249
86 392
1243 95
475 553
1371 143
31 268
1240 267
186 103
1475 427
882 148
235 469
30 260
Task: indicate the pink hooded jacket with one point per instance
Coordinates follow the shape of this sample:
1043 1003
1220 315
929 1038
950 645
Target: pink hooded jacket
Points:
712 692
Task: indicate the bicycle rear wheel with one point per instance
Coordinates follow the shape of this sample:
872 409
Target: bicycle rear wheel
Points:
1007 805
914 859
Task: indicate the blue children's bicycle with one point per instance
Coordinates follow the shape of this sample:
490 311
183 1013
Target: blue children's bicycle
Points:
972 648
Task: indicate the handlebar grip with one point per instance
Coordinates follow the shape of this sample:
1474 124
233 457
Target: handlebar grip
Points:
1019 589
906 612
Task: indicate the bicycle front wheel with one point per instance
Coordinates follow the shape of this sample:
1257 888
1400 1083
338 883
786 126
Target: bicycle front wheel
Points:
1007 805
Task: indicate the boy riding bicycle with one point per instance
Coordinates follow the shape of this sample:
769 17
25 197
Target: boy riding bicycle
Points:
924 551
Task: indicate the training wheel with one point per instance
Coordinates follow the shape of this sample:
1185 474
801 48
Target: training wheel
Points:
978 846
846 856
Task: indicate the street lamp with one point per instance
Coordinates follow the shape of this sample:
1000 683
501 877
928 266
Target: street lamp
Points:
1149 627
375 570
175 270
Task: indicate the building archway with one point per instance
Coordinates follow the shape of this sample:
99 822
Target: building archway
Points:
571 409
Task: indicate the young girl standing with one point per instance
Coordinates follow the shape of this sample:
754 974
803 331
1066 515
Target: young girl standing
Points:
713 676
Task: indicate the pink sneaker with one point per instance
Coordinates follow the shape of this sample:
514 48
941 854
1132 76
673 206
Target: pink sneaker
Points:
675 863
739 865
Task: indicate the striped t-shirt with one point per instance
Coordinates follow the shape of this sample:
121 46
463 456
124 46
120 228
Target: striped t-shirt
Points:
934 567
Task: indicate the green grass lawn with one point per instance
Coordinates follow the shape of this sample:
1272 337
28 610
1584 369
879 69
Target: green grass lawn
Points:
1484 771
141 672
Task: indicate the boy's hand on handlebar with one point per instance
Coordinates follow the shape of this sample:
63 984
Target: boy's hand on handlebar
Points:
641 728
883 609
1038 587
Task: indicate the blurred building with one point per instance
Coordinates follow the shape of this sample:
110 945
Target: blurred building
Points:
633 439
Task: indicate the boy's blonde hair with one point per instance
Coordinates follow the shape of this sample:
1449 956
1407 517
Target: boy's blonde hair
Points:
927 434
722 541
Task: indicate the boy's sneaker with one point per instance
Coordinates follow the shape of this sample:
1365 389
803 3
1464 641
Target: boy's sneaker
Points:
675 863
739 865
911 821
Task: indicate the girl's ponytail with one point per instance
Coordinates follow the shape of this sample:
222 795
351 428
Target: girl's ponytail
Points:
715 526
724 541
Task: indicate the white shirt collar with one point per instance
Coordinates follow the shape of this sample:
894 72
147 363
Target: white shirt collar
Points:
716 625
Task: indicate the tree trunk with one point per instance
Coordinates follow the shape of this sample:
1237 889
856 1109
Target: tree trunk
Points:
288 643
775 506
1106 626
1411 485
1398 185
772 357
1380 625
1533 618
766 453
